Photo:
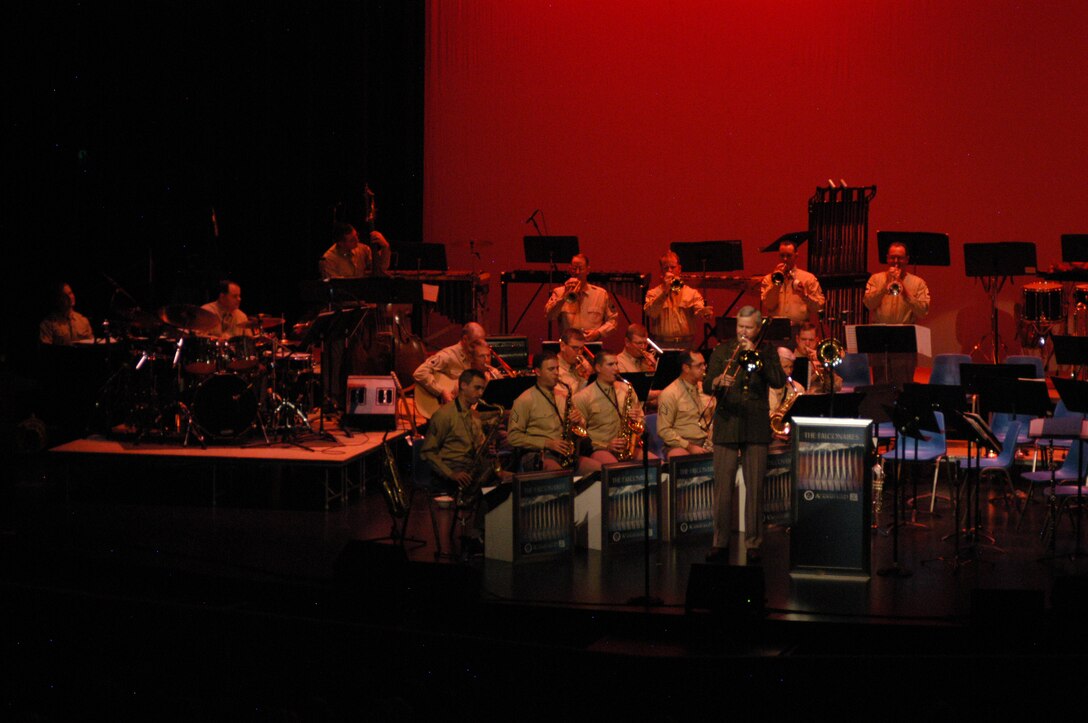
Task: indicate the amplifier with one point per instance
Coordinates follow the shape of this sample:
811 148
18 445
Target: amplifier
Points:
371 402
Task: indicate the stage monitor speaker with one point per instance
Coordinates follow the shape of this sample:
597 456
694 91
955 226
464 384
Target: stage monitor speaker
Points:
725 590
371 403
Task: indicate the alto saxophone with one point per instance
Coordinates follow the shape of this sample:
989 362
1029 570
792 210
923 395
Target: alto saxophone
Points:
630 431
779 425
396 499
572 433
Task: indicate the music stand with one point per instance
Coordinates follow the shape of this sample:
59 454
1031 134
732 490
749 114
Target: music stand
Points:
1006 388
505 390
419 257
886 339
327 328
1074 247
707 256
668 369
979 435
844 405
926 248
1074 394
908 420
640 383
1071 351
547 250
994 264
778 328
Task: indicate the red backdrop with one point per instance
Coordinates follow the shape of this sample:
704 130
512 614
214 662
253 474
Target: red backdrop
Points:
636 123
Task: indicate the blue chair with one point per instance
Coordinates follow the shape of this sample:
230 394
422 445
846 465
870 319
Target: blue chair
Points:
1035 361
1002 463
933 449
657 445
1064 475
946 368
855 371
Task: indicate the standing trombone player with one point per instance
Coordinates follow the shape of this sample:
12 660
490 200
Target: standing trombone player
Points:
739 375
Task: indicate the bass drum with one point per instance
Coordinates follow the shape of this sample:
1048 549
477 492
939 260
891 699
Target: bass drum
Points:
224 406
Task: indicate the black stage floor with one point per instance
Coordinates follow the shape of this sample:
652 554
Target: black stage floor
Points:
140 595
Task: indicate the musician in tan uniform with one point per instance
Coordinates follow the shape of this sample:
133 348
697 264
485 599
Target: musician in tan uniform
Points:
684 411
349 259
579 304
635 356
537 416
896 297
232 320
437 375
672 307
481 360
64 325
804 347
798 296
574 368
454 439
603 404
776 395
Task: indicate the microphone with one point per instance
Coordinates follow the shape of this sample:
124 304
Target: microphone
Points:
530 219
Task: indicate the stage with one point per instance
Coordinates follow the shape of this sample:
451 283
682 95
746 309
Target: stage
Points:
277 602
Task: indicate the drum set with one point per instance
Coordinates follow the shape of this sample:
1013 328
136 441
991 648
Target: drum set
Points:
1043 312
177 382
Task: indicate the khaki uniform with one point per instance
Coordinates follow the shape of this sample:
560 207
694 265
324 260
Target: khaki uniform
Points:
351 265
593 310
672 314
533 419
569 376
679 410
602 417
453 436
887 309
789 301
631 364
442 366
230 322
64 329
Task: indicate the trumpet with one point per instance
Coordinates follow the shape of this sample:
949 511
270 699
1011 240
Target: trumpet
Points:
572 294
676 284
895 288
778 278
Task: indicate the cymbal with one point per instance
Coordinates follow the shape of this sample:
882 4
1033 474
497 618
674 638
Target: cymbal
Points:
263 322
140 319
188 316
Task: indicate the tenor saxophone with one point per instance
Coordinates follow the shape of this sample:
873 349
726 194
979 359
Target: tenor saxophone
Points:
630 431
779 425
484 466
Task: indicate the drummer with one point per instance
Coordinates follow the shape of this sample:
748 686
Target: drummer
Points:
64 325
231 319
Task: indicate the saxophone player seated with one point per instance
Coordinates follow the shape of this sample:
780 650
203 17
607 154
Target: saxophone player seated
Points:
454 447
613 415
684 411
544 426
777 397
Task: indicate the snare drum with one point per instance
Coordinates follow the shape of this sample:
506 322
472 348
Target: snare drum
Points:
224 406
1042 301
202 355
244 352
1080 294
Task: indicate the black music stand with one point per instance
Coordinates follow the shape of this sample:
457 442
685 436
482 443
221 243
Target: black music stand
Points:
668 369
419 258
1074 247
1071 351
705 257
1074 394
844 405
328 328
979 436
994 264
886 339
547 250
505 390
778 328
640 383
926 248
1006 388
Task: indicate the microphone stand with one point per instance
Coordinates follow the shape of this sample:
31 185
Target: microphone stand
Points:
645 599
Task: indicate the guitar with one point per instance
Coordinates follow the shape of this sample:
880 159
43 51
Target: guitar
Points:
426 403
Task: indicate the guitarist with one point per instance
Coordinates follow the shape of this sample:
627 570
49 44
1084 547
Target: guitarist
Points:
436 378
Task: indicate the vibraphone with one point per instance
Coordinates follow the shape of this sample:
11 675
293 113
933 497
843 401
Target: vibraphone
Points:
455 290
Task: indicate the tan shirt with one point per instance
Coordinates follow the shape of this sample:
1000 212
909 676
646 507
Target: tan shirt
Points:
887 309
602 417
679 409
64 329
592 311
533 419
230 322
569 376
796 304
453 436
354 264
441 367
630 364
672 315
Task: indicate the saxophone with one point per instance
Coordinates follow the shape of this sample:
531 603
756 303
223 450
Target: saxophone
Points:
630 431
779 425
396 499
484 467
571 431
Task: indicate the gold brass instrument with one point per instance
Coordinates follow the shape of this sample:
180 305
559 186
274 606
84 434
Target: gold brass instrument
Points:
507 370
572 295
484 466
779 425
778 278
829 354
895 289
396 499
676 284
630 430
572 433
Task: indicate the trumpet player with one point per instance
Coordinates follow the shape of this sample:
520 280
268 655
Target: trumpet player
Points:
896 297
454 437
537 419
789 290
578 304
738 375
608 405
574 365
684 411
673 307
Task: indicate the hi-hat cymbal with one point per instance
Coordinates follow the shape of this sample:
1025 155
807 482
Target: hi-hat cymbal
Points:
188 316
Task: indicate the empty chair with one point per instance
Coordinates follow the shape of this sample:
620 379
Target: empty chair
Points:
946 368
932 449
1064 475
855 371
1035 361
657 445
1002 464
